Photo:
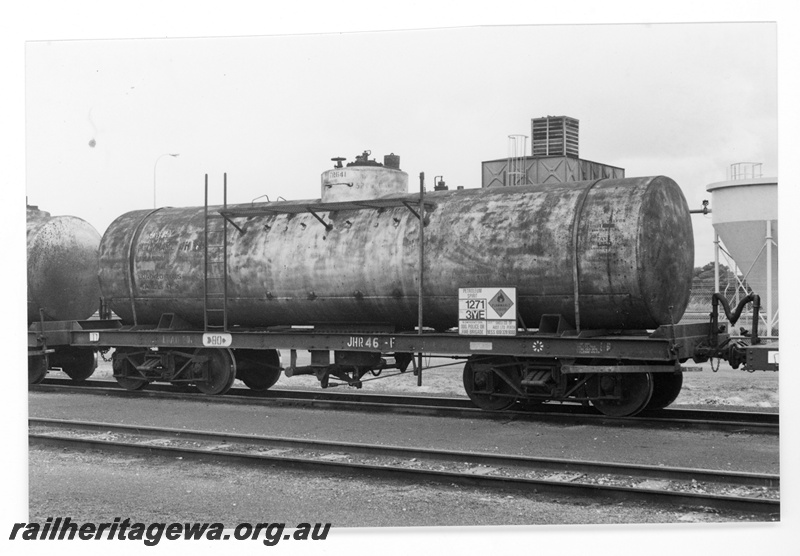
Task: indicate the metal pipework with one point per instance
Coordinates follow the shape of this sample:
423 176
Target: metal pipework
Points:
733 316
704 210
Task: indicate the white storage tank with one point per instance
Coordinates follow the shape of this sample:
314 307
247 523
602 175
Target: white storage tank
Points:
745 217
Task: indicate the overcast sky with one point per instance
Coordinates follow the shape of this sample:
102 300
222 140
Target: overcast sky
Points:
683 100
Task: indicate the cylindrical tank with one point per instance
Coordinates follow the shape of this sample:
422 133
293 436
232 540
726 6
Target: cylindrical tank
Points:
364 179
391 161
627 242
62 267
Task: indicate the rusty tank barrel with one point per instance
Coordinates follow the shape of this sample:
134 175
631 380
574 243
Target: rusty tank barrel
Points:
62 267
605 254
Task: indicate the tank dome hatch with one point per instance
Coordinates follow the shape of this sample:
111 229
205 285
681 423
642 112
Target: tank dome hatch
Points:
364 179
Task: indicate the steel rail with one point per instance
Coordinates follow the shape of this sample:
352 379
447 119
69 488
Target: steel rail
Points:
745 422
330 456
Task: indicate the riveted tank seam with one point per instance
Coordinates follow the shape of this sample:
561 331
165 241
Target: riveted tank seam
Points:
638 247
130 256
575 262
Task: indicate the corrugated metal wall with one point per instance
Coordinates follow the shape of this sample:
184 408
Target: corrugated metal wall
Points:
558 169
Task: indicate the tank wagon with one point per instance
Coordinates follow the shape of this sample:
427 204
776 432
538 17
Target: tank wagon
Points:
591 276
628 241
62 287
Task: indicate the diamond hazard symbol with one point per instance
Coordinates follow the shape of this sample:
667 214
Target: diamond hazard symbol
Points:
500 303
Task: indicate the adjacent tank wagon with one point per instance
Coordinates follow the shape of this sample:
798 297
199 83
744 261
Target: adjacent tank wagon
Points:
62 287
62 267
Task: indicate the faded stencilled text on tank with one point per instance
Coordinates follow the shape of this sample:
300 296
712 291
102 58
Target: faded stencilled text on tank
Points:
605 235
157 253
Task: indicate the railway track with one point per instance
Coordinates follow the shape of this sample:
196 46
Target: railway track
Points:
727 421
697 488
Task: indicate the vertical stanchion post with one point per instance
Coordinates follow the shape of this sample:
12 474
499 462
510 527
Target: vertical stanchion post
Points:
716 278
421 269
716 263
225 254
205 259
44 340
769 279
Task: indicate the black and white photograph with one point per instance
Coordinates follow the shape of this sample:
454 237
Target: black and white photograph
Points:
462 282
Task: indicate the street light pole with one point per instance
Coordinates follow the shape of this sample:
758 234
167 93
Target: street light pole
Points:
155 167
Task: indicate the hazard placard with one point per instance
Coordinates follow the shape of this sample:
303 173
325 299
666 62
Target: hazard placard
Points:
487 311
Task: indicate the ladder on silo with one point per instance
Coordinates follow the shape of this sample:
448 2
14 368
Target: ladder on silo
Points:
215 283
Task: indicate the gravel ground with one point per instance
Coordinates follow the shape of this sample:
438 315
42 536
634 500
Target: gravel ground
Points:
368 515
679 447
91 486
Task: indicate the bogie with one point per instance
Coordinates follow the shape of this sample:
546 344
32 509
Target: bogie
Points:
258 369
492 383
620 395
77 363
211 371
218 368
124 364
497 383
37 368
666 388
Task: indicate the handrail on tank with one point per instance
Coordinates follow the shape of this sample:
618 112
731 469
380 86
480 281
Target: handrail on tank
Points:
297 207
328 226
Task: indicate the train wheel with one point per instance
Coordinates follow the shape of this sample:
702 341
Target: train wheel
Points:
637 389
258 369
123 369
666 387
78 364
37 368
221 371
486 388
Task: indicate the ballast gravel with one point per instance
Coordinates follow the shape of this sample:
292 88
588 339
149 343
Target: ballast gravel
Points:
93 486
